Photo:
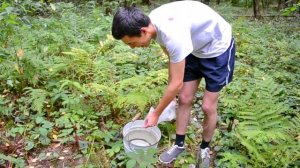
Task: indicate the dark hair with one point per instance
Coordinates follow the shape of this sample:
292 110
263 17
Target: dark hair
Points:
129 21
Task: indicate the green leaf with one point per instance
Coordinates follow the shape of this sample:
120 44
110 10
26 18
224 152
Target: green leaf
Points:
42 156
131 164
44 140
47 125
43 131
39 120
65 132
28 145
19 162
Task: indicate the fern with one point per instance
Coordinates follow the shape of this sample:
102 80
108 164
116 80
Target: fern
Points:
137 99
37 98
140 91
232 159
71 84
262 129
104 72
94 89
79 63
295 129
152 80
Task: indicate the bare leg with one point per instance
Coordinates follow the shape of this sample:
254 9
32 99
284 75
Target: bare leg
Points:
186 97
209 107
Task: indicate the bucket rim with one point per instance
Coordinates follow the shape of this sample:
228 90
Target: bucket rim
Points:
129 141
138 124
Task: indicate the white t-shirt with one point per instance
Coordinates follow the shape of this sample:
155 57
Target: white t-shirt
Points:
186 27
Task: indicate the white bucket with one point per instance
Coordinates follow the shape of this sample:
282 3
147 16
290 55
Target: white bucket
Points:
135 136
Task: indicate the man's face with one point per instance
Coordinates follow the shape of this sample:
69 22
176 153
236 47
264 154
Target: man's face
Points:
135 41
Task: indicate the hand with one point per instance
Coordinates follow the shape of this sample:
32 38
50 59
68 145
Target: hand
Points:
151 120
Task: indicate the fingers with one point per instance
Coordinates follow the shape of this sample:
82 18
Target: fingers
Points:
150 121
146 123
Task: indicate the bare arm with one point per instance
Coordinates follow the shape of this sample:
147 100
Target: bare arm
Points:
176 73
166 52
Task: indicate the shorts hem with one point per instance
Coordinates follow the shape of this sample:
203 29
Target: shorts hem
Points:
191 79
214 89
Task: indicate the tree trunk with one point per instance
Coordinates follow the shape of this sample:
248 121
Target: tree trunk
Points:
256 9
218 2
146 2
280 5
205 2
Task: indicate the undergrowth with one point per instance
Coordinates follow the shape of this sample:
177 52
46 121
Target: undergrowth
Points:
67 84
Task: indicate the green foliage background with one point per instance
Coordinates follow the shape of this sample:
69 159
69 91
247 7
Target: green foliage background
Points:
65 80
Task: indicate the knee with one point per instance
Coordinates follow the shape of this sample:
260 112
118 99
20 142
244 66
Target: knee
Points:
209 109
185 99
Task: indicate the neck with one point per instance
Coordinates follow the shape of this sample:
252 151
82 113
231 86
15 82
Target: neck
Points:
152 31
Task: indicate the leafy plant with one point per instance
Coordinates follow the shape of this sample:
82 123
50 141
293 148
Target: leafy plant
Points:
16 162
6 107
142 158
262 129
65 79
8 22
141 90
37 98
290 10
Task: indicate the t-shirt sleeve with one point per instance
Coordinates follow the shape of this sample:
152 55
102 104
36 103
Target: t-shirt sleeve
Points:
179 44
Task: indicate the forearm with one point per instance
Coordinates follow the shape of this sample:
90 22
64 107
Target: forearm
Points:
168 96
175 83
169 74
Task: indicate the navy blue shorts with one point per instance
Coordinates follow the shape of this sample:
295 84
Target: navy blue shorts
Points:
217 71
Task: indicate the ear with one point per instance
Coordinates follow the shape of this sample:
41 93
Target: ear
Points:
144 30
